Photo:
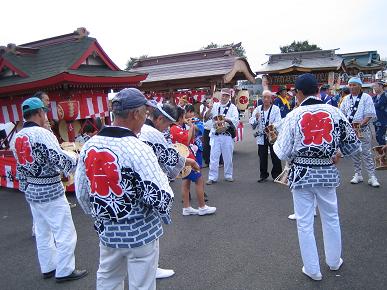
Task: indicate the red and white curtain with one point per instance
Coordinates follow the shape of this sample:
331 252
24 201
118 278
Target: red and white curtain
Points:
92 104
192 96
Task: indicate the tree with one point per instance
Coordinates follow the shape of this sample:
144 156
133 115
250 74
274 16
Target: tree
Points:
239 50
133 60
297 46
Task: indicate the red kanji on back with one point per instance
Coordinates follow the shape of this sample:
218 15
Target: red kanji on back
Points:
102 172
23 150
316 128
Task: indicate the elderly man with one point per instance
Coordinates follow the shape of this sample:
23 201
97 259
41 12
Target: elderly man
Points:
120 183
222 142
311 136
358 107
40 163
263 116
380 102
282 102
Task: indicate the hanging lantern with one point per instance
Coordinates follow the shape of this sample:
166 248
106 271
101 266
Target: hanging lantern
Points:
242 100
68 110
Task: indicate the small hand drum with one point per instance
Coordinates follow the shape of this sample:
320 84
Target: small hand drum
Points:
271 133
183 151
380 158
357 128
220 124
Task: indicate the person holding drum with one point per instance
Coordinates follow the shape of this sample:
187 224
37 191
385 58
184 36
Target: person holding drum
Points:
160 117
180 134
359 109
263 116
310 138
40 162
225 119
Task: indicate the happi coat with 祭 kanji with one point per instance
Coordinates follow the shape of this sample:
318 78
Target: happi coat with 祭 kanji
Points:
170 161
120 183
40 162
310 136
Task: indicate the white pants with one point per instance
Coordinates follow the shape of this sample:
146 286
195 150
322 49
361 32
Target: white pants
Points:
55 235
304 209
140 264
221 144
365 155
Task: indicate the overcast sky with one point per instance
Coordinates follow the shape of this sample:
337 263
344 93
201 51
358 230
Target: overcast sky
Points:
133 28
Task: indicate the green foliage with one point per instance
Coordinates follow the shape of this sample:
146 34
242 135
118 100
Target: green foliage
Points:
297 46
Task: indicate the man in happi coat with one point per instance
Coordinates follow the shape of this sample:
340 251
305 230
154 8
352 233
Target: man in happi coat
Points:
170 161
120 183
222 143
359 108
40 163
310 138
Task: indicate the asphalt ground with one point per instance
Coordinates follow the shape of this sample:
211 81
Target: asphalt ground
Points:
248 244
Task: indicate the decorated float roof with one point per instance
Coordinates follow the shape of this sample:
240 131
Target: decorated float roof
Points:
305 61
209 64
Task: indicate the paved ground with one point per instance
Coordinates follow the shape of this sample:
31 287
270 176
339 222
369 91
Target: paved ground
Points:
248 244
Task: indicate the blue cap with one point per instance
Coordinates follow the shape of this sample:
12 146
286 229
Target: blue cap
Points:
33 104
129 99
355 80
307 83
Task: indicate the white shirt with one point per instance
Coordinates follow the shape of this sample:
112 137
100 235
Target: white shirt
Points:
365 109
275 119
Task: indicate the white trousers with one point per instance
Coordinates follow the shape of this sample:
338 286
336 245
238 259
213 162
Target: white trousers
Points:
139 263
365 155
304 209
221 144
55 235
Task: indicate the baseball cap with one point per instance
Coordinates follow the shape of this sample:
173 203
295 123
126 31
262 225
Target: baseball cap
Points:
225 91
307 83
33 104
130 98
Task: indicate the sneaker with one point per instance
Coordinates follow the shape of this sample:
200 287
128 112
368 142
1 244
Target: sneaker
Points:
292 217
337 267
357 178
373 181
316 277
164 273
209 182
229 179
207 210
190 211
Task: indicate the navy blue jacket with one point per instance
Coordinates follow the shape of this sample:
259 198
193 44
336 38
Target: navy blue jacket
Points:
381 109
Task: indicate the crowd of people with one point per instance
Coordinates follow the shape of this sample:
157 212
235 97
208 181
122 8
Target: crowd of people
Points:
123 172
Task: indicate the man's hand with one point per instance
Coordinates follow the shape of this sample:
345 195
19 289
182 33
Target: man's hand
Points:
336 158
190 162
257 116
